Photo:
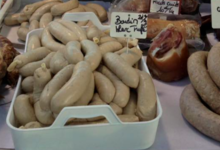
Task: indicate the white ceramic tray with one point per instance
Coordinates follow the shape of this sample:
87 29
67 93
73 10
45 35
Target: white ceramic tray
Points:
115 135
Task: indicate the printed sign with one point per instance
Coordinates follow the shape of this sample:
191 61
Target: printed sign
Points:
2 2
215 5
165 6
130 25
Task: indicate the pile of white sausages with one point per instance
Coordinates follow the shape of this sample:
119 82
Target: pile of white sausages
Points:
40 14
70 66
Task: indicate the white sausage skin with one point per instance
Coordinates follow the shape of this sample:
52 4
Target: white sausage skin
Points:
102 14
48 41
27 84
59 9
116 108
29 69
80 32
147 97
33 25
44 117
104 87
73 89
42 10
23 110
22 33
131 107
45 20
132 56
122 69
31 8
111 46
73 52
11 20
41 77
122 92
31 56
88 94
93 54
54 86
32 125
58 62
65 36
33 43
25 24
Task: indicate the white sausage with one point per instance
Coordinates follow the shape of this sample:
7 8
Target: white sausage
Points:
93 54
29 69
65 36
27 84
42 10
88 94
122 92
54 86
147 98
48 41
23 110
33 43
73 52
44 117
122 69
73 89
41 77
58 62
59 9
45 20
80 32
104 87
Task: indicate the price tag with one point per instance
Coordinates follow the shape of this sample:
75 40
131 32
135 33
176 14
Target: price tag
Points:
165 6
129 25
1 2
215 5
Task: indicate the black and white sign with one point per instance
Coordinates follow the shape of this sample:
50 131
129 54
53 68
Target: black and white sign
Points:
130 25
165 6
215 6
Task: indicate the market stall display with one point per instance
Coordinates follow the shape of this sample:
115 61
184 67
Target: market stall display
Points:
77 80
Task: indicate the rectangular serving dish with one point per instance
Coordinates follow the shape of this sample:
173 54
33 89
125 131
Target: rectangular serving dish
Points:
115 135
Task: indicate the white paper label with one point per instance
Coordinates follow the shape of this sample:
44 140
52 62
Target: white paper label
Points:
1 4
165 6
129 25
215 4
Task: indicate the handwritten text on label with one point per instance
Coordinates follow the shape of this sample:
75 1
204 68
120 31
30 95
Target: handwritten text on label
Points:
215 5
165 6
131 25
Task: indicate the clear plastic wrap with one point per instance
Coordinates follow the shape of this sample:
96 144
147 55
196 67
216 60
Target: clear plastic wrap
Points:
131 6
187 6
190 6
